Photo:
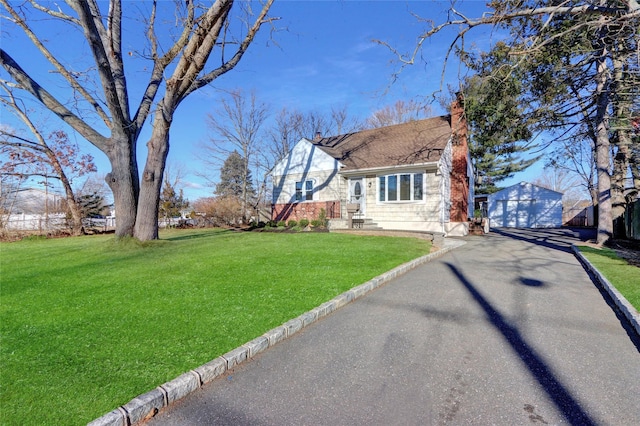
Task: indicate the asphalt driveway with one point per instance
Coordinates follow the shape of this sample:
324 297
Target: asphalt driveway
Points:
507 329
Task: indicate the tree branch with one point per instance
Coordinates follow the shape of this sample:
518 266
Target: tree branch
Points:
27 83
56 14
95 34
198 49
11 102
230 64
495 19
161 63
71 79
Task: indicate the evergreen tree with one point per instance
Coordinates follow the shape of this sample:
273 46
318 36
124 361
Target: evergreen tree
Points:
235 181
499 127
171 203
91 205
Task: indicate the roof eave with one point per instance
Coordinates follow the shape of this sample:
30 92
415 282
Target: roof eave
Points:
429 166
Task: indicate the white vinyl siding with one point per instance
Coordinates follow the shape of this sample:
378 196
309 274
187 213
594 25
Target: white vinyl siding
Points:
304 190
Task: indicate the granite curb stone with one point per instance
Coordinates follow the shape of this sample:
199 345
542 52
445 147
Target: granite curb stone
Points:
144 406
257 345
147 405
619 300
211 370
276 335
236 356
181 386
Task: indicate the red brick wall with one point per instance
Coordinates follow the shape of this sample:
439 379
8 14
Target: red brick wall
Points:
459 178
306 210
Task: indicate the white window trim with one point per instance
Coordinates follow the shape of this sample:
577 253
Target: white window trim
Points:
412 188
304 191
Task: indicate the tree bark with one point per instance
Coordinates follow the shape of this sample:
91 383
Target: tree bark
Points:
634 161
77 227
123 181
620 167
146 227
605 218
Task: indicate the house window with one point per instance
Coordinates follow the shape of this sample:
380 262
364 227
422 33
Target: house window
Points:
392 188
304 190
401 187
405 187
417 186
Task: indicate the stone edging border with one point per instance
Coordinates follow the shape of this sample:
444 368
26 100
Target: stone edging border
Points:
147 405
629 312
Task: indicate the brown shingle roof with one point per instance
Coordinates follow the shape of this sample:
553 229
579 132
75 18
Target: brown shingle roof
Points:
415 142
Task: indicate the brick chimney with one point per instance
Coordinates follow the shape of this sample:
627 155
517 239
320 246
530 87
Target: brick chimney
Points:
459 177
317 137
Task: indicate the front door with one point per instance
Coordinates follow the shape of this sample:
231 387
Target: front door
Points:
357 194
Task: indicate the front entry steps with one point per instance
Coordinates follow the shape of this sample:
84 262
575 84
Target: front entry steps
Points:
478 226
365 223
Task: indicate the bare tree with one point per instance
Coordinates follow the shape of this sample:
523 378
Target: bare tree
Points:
52 157
560 180
173 74
293 125
237 128
286 131
575 155
400 112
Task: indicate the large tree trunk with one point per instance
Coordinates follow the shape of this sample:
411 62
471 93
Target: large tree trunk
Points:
146 227
77 228
621 141
123 181
605 219
620 167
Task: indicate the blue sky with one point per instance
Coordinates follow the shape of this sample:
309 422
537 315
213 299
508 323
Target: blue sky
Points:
322 57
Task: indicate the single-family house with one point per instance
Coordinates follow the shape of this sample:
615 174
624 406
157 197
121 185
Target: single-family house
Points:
525 205
411 176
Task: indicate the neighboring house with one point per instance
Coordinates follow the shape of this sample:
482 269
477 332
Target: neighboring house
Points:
525 205
411 176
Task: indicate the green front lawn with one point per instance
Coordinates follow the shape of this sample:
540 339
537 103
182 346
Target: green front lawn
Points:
623 276
89 323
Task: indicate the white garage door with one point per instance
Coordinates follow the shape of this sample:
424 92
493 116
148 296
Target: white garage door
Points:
514 214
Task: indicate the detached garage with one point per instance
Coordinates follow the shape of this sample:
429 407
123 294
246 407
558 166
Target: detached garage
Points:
525 205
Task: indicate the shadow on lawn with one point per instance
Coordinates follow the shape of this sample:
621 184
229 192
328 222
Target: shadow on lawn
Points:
196 235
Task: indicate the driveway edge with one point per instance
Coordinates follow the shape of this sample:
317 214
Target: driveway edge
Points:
147 405
629 312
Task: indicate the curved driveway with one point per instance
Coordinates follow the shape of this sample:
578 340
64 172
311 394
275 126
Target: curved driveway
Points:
506 330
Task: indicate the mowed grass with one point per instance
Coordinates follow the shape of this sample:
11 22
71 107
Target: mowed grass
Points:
89 323
623 276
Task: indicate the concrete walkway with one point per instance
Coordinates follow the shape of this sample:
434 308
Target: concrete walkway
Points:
507 329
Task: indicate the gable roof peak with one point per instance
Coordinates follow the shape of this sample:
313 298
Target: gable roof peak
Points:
413 142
